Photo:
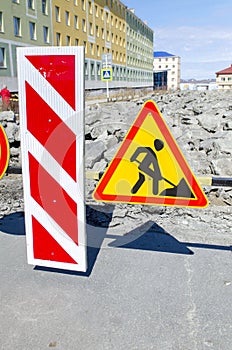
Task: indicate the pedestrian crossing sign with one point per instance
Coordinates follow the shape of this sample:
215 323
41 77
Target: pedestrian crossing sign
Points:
149 167
106 74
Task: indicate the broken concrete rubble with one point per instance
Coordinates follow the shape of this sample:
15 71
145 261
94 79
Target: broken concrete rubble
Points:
201 122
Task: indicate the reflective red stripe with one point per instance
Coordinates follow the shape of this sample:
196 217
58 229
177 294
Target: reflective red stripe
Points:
45 246
47 127
59 71
53 199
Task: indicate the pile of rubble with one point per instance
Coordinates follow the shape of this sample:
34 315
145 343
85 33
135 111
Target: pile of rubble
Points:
201 122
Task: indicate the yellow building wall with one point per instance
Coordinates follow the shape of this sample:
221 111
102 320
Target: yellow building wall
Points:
97 25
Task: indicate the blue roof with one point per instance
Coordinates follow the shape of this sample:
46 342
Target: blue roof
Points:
162 54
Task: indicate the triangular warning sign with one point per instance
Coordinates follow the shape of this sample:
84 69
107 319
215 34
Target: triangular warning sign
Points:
149 167
59 71
106 74
4 152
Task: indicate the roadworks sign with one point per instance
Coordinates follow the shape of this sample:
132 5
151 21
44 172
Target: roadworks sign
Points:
4 152
149 167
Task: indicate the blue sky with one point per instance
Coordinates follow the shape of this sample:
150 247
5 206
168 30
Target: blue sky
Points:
199 31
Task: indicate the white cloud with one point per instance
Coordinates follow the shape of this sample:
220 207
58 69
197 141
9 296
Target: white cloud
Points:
204 48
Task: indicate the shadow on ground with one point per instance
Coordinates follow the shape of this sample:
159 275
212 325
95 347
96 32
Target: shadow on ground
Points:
13 224
154 238
149 236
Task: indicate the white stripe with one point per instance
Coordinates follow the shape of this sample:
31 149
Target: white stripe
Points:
74 189
77 252
53 167
55 101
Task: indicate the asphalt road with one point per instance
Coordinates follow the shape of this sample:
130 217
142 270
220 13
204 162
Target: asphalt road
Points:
162 286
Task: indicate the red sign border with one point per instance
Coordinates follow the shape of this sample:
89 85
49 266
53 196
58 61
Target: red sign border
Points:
5 151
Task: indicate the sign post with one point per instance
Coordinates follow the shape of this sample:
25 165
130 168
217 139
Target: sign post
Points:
106 72
51 90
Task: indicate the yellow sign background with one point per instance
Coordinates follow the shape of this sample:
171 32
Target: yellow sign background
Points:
126 174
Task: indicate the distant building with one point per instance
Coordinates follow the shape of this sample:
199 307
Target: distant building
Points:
105 28
166 70
224 79
22 23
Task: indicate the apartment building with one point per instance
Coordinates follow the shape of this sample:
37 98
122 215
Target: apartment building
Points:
224 79
98 25
101 26
139 49
166 71
22 23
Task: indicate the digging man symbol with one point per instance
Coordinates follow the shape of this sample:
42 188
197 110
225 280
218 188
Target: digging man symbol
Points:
148 166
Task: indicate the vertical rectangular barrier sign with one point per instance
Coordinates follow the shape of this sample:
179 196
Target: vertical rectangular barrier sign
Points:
51 98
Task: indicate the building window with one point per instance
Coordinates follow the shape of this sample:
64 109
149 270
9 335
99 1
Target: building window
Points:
90 8
83 25
98 71
17 26
30 4
67 18
92 49
15 1
68 40
44 7
1 22
90 28
58 39
32 30
46 35
86 70
96 11
97 31
83 5
76 42
92 70
76 23
85 45
98 51
57 13
2 58
75 2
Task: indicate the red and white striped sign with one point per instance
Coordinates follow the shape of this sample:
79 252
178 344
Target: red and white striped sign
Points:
51 92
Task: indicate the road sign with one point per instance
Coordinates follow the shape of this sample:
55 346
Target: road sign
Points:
106 74
51 82
149 167
106 60
4 152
